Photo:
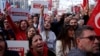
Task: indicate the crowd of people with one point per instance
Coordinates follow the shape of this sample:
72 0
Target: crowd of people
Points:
53 35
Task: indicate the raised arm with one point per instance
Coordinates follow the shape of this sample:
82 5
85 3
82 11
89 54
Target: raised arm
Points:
41 20
12 24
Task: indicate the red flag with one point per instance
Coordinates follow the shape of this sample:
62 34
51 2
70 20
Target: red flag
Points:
94 20
85 4
7 4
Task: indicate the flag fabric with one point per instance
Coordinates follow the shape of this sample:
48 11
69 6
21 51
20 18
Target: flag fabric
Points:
94 20
85 4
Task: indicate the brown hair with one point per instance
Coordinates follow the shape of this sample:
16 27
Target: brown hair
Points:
30 40
29 28
21 22
65 38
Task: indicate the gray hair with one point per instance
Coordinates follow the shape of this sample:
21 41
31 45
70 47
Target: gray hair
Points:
79 31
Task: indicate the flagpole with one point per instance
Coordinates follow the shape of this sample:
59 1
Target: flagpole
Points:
88 7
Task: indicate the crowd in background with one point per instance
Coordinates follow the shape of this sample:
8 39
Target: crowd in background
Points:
53 35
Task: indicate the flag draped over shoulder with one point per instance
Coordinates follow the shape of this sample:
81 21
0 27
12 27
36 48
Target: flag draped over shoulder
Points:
94 20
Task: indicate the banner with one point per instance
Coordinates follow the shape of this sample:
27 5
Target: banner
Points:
35 6
20 50
21 46
19 14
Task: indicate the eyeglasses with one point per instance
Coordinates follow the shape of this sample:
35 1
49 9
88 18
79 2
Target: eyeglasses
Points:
92 38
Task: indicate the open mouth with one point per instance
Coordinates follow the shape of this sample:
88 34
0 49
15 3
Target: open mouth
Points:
40 47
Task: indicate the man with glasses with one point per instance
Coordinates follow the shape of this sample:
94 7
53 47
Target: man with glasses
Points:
87 42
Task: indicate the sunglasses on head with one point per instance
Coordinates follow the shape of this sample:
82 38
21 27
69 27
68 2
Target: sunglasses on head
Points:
92 38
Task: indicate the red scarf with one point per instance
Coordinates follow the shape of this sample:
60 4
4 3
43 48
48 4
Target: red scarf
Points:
45 51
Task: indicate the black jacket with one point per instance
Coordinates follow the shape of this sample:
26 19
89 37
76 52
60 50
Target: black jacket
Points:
11 53
50 53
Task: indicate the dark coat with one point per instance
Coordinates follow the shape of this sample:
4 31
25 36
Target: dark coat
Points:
49 53
11 53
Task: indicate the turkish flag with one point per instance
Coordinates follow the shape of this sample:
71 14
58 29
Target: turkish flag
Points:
94 20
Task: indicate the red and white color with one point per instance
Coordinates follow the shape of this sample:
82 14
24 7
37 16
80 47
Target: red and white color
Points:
94 20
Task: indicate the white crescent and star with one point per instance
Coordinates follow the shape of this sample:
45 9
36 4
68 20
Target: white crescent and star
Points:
96 20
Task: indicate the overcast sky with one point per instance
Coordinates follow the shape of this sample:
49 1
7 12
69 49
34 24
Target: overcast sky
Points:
67 3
